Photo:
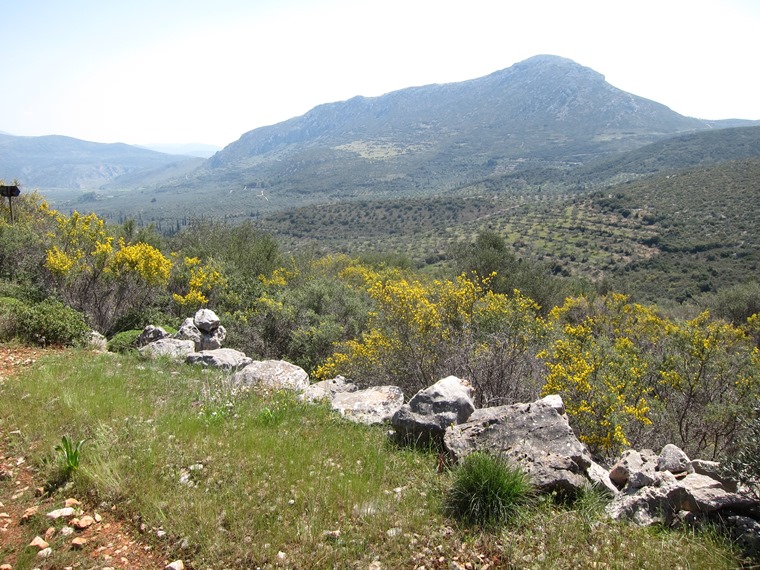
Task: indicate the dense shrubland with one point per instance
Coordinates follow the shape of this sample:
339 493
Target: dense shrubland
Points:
629 374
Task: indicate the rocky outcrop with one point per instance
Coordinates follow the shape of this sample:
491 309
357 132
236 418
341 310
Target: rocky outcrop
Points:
536 437
188 331
371 406
204 329
669 489
273 375
327 389
224 358
432 410
150 334
173 348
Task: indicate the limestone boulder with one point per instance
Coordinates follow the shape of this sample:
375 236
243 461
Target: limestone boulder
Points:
661 501
432 410
374 405
327 389
188 331
273 375
535 436
172 348
150 334
206 320
635 469
214 339
224 358
673 459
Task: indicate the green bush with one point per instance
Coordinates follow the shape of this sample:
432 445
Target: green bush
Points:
742 464
9 311
125 341
487 491
51 323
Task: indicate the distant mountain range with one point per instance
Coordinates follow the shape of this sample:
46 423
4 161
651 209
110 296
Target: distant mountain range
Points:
546 112
50 162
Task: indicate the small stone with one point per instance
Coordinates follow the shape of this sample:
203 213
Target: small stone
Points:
6 567
45 553
395 531
176 565
4 516
98 518
39 543
50 533
39 491
331 534
78 542
64 513
29 513
71 503
67 531
84 522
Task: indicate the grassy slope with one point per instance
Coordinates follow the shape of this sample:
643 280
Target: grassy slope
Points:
270 475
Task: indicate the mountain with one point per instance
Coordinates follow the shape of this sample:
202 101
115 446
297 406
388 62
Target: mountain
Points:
546 111
49 162
188 149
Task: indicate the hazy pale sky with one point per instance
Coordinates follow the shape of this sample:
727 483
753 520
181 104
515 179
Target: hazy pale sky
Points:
165 71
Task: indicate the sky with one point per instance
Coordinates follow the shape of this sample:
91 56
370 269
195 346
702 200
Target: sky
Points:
191 71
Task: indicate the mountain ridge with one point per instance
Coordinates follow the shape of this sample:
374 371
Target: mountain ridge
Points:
57 161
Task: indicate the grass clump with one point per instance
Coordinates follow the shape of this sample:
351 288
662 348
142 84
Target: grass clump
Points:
487 491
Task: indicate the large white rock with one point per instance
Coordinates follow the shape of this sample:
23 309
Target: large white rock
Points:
327 389
273 375
224 358
432 410
537 438
206 320
173 348
374 405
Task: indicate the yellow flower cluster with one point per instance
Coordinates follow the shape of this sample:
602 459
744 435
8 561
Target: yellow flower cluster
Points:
143 260
201 279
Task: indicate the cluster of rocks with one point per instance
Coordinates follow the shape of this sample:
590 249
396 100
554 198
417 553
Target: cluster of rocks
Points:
198 341
75 522
645 488
671 489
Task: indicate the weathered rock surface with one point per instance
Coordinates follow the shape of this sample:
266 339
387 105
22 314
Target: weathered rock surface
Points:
536 437
432 410
745 532
206 320
273 375
150 334
97 341
635 469
712 470
374 405
224 358
214 339
173 348
327 389
188 331
673 459
666 496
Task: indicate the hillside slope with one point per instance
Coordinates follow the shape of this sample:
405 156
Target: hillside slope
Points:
545 111
63 162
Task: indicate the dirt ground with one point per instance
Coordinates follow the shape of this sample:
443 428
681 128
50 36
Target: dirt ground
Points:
106 541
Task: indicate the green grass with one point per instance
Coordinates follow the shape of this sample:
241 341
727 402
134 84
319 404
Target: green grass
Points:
487 491
234 479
